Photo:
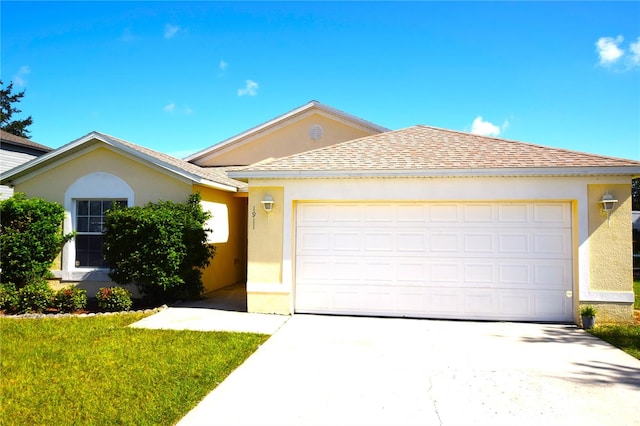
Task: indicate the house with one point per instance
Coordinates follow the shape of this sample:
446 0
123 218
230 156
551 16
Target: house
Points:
428 222
323 212
14 151
96 170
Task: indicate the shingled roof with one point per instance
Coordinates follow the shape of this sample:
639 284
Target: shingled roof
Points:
430 151
206 176
215 174
10 138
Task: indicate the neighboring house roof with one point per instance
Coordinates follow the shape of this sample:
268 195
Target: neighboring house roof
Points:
9 138
212 177
429 151
308 108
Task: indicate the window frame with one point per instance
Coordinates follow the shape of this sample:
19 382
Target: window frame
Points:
90 214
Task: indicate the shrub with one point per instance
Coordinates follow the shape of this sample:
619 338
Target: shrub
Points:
160 248
34 297
114 299
8 297
70 299
30 238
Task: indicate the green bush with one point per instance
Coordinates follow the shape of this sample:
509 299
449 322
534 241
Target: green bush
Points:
8 297
30 238
34 297
70 299
160 248
114 299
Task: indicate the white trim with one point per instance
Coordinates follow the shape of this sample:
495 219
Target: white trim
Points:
97 185
607 297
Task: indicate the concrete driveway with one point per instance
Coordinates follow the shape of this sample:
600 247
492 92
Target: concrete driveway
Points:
323 370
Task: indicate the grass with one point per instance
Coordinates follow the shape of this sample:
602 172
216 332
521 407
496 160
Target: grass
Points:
625 337
97 371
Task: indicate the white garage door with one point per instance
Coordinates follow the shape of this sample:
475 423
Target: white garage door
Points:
506 261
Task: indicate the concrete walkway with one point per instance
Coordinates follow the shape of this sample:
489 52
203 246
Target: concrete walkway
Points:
323 370
224 310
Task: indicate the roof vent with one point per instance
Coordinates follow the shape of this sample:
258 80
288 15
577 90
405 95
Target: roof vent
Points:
315 132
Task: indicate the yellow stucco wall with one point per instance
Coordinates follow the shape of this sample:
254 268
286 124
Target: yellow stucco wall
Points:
265 241
287 140
611 313
610 251
148 184
269 303
610 245
265 237
229 266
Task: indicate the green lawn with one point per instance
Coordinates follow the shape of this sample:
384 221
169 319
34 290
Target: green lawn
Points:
96 371
625 337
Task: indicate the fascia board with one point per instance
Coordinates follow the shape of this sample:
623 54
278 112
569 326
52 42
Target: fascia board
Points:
573 171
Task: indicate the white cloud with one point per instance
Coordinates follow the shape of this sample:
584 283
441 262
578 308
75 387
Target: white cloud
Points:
170 31
485 128
634 49
19 77
250 89
223 65
172 108
609 50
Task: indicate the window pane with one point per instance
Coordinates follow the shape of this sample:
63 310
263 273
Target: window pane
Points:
106 205
83 208
89 251
95 208
83 224
95 224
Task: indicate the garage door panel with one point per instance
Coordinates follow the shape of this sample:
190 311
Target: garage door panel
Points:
445 260
478 213
551 214
345 241
479 242
547 244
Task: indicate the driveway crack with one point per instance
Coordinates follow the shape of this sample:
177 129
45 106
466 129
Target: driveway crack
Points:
432 399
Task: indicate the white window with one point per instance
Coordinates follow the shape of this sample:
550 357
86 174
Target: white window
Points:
90 217
85 202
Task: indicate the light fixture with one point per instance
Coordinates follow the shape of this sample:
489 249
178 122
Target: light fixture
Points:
606 204
267 203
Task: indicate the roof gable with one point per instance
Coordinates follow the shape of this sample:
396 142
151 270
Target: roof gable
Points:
279 135
432 151
216 178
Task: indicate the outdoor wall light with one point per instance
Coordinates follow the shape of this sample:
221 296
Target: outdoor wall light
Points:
607 204
267 203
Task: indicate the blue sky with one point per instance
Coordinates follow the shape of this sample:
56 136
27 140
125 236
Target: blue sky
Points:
181 76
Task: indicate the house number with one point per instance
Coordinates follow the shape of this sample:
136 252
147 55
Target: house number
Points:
253 215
